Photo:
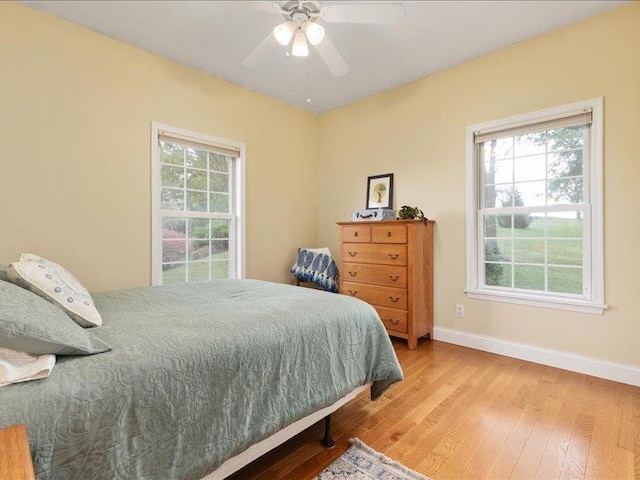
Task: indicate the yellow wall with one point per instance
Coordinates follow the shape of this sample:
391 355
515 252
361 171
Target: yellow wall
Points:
75 115
417 131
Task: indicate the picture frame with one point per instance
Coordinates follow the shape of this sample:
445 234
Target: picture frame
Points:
380 191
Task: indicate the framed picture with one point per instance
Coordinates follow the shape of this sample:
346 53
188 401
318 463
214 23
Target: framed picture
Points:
380 191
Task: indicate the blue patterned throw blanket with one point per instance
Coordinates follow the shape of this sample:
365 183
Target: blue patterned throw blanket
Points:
315 265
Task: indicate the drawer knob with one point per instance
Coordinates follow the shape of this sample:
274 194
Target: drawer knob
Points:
353 274
394 299
394 321
353 254
394 278
353 292
388 234
392 256
355 234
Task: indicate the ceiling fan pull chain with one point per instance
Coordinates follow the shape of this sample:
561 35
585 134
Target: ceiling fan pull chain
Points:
309 79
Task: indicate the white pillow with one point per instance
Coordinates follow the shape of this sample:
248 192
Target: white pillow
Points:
55 284
18 367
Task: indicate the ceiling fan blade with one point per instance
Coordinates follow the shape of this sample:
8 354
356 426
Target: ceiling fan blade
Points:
364 13
259 55
330 55
266 6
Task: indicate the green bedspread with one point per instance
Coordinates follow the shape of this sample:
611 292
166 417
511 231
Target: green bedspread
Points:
198 373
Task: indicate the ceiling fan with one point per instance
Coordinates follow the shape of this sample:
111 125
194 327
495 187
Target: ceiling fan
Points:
301 28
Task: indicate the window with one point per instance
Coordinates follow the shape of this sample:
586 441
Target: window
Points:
198 207
534 209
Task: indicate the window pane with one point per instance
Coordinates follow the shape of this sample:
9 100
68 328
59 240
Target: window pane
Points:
500 171
528 277
528 250
503 226
219 182
196 179
220 269
566 138
508 197
219 202
172 199
497 250
196 158
175 273
198 228
490 197
565 190
220 253
505 222
173 227
219 163
565 224
565 280
219 249
504 195
170 153
530 168
528 225
531 194
489 225
565 164
174 250
498 149
565 252
497 274
220 228
199 249
198 271
530 144
172 176
196 201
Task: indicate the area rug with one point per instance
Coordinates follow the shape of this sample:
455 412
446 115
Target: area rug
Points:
362 462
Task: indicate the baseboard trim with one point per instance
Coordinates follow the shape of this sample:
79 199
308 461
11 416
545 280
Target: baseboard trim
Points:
618 372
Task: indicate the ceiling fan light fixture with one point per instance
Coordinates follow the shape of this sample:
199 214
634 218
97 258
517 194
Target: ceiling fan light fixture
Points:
284 32
300 47
314 32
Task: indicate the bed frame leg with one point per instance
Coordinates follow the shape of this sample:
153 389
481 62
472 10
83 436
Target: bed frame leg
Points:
327 441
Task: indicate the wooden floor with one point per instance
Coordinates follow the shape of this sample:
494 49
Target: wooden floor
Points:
462 413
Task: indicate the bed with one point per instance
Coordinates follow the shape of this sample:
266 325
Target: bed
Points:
198 374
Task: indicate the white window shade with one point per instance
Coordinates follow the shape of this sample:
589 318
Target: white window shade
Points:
583 117
189 142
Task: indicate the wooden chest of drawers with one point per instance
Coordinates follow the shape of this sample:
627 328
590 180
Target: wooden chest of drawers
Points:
390 265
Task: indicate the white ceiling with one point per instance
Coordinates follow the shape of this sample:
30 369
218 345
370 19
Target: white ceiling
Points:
216 36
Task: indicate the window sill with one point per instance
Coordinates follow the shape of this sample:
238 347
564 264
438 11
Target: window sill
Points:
581 306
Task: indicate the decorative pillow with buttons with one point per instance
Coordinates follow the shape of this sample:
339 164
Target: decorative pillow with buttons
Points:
57 285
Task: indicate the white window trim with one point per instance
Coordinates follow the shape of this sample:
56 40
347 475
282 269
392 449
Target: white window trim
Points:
239 197
595 179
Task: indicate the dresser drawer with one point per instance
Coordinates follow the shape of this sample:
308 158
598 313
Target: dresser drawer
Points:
376 295
393 319
357 234
389 233
374 253
386 275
